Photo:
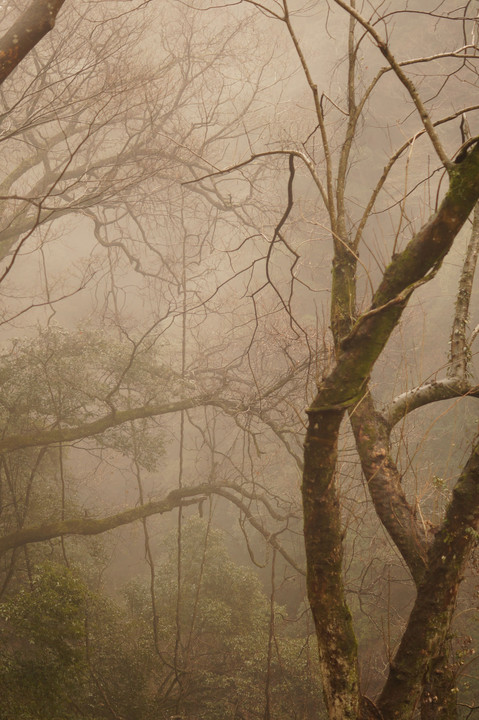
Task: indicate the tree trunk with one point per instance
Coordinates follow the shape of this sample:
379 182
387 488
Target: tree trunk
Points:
430 619
323 538
342 389
384 484
32 25
439 695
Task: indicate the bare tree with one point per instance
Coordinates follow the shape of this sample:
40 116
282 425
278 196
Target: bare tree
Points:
367 304
383 162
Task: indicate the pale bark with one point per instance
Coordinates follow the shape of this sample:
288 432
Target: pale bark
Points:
460 351
430 392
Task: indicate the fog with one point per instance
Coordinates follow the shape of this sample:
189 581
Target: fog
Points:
238 333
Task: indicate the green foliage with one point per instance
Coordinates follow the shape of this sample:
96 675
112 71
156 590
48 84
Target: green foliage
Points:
221 639
74 378
62 378
122 662
42 659
70 653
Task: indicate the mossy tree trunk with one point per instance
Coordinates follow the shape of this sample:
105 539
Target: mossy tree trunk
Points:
436 566
430 618
323 537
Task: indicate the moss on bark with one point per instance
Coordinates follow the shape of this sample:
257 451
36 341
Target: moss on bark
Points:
323 538
356 354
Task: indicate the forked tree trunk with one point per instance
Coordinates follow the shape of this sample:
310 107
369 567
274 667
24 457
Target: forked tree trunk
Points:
345 386
372 434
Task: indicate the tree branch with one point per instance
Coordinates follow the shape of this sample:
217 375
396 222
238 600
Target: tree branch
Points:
396 67
434 391
431 615
384 483
361 348
32 25
96 427
460 350
96 526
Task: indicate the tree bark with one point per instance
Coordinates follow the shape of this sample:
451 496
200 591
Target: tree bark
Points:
323 538
96 526
439 695
431 615
32 25
384 483
340 390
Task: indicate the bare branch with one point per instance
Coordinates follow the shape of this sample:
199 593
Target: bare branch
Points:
408 84
434 391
